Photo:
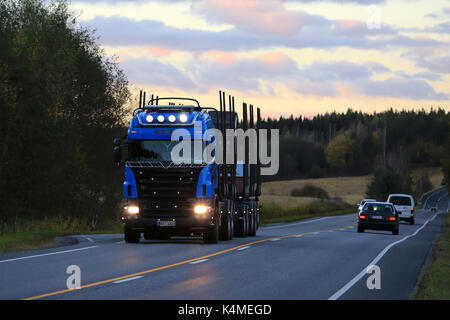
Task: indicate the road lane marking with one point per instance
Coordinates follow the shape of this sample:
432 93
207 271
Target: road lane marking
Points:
89 239
47 254
360 275
120 242
168 266
276 239
198 261
128 279
243 248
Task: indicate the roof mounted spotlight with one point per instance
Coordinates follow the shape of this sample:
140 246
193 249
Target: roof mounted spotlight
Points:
161 118
183 118
172 118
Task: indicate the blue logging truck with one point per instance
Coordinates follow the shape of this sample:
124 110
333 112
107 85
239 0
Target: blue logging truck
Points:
166 198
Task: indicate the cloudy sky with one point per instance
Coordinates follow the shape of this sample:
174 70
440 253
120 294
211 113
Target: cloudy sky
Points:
287 56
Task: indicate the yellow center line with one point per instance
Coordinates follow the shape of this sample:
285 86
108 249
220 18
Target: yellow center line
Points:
168 266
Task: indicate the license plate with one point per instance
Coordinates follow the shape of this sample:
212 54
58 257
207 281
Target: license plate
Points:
377 217
166 224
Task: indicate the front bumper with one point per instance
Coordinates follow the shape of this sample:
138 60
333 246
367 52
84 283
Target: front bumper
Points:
183 225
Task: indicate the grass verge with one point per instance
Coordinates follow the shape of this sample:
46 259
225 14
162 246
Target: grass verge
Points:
435 282
28 235
274 212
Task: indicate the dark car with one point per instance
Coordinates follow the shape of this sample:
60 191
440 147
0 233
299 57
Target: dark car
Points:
378 216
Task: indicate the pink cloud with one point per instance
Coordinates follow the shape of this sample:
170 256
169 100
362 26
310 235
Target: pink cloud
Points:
222 57
265 17
153 50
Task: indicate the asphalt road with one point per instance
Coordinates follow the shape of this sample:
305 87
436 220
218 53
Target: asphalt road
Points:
322 258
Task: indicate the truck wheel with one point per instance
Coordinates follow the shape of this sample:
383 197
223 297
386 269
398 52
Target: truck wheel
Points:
232 219
247 221
258 216
242 224
131 236
360 229
411 221
212 234
252 215
225 228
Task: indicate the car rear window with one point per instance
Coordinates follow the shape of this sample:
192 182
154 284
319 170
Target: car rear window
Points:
400 201
378 207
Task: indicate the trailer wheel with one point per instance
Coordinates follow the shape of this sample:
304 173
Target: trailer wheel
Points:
131 236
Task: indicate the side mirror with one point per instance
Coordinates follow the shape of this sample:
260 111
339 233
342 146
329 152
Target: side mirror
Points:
117 154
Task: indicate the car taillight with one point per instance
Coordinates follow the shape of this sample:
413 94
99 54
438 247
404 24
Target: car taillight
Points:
391 218
412 210
362 217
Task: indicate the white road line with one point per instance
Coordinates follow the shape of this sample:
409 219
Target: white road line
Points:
243 248
360 275
128 279
198 261
295 224
298 236
277 239
47 254
120 242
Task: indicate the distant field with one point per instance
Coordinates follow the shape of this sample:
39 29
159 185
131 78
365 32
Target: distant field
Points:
345 192
348 189
436 176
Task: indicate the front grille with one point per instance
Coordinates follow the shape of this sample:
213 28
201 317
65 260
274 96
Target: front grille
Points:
166 192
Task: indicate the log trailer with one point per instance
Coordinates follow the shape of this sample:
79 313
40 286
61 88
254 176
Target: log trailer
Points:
194 198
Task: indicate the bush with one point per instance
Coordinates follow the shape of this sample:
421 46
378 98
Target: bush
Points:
386 181
310 190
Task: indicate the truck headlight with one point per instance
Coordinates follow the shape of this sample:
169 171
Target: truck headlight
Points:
160 118
132 210
172 118
149 118
201 209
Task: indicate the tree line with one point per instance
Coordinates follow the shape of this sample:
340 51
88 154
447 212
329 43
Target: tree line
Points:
61 103
356 143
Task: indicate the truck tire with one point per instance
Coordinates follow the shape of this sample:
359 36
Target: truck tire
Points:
232 219
131 236
253 222
247 221
411 221
241 227
211 235
226 219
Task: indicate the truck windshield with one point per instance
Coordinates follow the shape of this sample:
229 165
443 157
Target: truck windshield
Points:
161 150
